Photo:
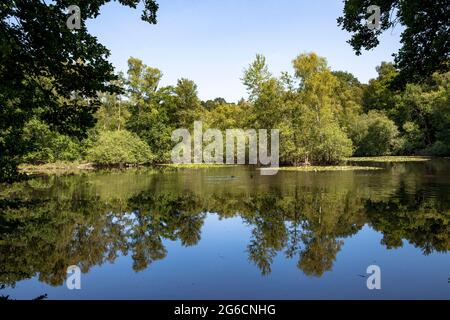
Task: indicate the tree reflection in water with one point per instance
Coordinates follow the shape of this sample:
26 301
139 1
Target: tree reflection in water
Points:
47 224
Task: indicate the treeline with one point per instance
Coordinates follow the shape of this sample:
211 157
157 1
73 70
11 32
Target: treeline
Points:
323 116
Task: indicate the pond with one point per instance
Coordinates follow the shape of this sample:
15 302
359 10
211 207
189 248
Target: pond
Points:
229 233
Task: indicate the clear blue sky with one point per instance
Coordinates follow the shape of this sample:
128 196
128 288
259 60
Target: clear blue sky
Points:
212 41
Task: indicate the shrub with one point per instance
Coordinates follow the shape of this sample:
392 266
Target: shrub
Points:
376 135
119 147
332 145
45 145
414 140
439 149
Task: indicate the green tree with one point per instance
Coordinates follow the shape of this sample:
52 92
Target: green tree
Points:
46 145
374 134
226 116
188 105
304 108
268 106
441 114
321 136
420 110
378 94
255 75
212 104
425 111
151 108
34 43
113 112
349 92
425 41
119 147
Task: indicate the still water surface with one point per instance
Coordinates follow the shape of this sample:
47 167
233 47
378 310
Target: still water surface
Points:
229 233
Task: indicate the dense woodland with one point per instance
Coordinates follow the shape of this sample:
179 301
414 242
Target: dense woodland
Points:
323 116
60 99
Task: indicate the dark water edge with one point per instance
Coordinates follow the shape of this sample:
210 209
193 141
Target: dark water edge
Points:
229 233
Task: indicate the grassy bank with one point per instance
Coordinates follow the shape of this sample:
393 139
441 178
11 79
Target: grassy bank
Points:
56 167
326 168
196 165
59 167
388 159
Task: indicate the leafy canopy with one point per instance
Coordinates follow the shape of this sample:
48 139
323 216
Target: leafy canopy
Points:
50 71
425 39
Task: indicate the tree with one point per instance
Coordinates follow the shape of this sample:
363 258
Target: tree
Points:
303 107
212 104
321 136
119 147
349 92
46 145
226 116
255 75
35 43
420 110
151 108
113 112
425 41
425 114
378 95
375 135
441 115
268 105
188 105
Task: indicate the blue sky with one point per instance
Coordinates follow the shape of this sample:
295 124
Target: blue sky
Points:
212 41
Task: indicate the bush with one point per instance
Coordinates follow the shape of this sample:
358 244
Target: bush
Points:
439 149
333 145
375 134
119 147
414 140
45 145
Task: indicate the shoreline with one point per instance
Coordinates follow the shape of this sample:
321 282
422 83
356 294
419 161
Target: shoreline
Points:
63 167
57 167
